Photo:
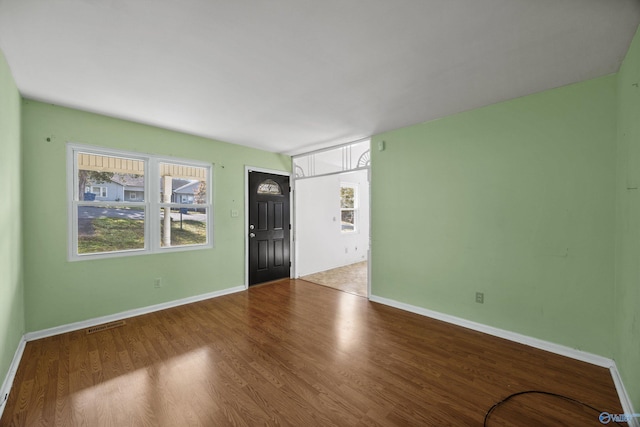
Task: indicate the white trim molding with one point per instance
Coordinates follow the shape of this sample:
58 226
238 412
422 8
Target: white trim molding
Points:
8 380
584 356
625 400
562 350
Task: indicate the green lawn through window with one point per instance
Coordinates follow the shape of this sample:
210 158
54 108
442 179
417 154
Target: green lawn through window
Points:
117 234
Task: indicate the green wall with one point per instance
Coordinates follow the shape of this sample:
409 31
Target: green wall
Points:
12 320
515 200
59 292
627 291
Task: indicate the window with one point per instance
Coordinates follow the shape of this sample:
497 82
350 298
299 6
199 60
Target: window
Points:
328 161
124 203
270 187
348 208
187 224
99 191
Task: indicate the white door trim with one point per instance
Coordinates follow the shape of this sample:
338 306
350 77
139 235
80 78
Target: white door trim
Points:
294 247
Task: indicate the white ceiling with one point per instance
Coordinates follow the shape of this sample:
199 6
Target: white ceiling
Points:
294 75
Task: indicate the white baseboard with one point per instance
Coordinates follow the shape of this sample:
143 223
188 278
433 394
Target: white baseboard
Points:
30 336
8 379
584 356
625 401
573 353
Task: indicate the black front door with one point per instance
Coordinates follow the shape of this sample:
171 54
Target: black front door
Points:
268 228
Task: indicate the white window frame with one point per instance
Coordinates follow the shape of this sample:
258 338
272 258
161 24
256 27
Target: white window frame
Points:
354 209
152 204
101 189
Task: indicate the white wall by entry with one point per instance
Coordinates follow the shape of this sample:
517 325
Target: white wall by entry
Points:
320 243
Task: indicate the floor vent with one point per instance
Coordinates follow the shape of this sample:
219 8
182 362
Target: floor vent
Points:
106 326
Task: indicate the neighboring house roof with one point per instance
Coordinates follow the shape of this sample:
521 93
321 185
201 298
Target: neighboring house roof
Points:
136 182
189 188
127 180
177 183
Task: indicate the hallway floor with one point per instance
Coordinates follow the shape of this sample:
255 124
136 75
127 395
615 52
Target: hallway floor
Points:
351 278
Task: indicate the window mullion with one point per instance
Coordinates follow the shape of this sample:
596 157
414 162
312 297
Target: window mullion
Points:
153 205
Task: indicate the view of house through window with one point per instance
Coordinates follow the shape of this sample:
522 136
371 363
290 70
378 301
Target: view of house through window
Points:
113 198
183 198
106 220
348 206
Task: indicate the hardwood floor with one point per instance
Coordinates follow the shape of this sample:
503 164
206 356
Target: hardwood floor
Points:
296 354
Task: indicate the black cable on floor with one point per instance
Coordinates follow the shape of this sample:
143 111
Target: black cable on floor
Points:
570 399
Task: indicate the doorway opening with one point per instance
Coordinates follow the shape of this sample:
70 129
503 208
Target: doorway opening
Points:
332 213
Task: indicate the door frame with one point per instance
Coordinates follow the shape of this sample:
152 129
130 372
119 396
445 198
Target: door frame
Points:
294 251
248 169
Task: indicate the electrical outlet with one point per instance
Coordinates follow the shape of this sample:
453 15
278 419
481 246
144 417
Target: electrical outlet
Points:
480 297
157 283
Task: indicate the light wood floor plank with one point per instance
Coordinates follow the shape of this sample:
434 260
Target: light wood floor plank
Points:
292 353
